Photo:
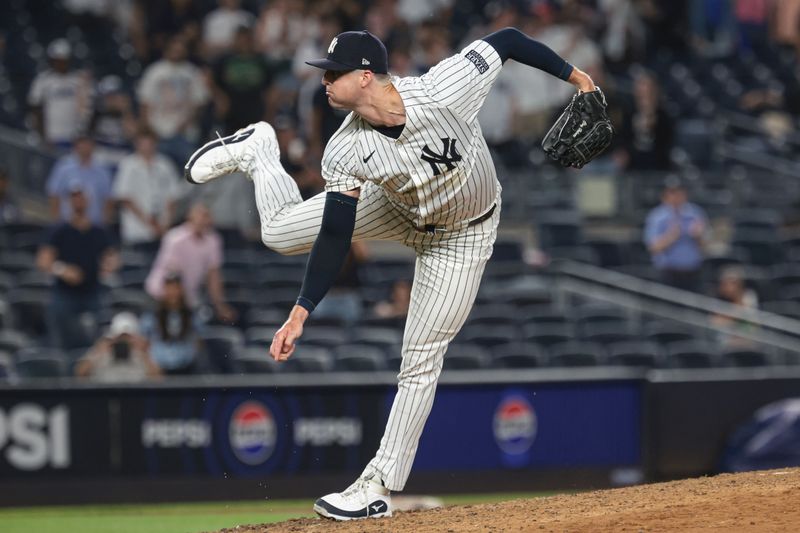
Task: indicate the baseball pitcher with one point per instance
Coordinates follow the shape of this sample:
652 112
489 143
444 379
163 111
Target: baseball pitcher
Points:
408 164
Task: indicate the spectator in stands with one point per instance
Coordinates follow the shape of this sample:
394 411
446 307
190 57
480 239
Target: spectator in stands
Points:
172 92
294 157
80 166
173 330
77 253
732 289
9 210
120 356
278 30
60 98
645 138
154 23
113 124
674 234
220 27
147 187
241 83
193 250
399 300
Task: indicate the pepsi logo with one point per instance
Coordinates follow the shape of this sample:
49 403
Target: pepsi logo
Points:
252 433
514 425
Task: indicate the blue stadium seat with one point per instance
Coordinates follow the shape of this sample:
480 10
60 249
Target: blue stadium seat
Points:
491 314
634 353
40 363
222 346
381 337
12 340
547 334
464 356
575 354
252 360
7 371
690 354
607 333
354 357
517 355
325 336
30 310
665 332
745 357
488 336
309 359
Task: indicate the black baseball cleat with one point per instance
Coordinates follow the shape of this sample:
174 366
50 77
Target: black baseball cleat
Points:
366 498
232 153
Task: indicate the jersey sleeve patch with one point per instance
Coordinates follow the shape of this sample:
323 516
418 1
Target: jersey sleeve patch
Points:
477 60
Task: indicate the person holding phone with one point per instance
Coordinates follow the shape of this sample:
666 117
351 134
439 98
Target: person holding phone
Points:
122 355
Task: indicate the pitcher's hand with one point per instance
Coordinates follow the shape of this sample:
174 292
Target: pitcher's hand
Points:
283 342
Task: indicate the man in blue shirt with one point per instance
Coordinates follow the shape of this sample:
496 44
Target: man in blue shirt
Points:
80 166
674 234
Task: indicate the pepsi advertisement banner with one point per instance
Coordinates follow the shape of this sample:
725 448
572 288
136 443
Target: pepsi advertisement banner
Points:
251 432
580 425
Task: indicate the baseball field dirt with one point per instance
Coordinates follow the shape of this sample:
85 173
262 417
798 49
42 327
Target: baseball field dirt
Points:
766 501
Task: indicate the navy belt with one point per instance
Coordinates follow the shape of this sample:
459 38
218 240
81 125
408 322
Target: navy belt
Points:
433 228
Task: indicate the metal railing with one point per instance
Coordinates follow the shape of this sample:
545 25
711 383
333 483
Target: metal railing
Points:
643 296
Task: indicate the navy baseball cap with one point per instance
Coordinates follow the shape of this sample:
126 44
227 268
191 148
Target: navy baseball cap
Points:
354 50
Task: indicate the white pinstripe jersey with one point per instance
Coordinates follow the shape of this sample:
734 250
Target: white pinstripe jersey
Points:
439 171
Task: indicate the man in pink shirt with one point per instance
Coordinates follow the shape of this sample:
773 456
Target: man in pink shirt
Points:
193 250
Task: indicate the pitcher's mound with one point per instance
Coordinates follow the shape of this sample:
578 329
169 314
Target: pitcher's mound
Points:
766 501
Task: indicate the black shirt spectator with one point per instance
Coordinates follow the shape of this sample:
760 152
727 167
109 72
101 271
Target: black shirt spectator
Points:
242 80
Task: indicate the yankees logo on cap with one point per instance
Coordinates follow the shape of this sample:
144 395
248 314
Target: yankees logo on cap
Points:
353 50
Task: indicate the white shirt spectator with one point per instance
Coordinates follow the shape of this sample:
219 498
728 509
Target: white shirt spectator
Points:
65 100
219 28
172 92
150 186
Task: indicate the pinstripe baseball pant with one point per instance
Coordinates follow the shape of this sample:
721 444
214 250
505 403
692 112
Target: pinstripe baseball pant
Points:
448 270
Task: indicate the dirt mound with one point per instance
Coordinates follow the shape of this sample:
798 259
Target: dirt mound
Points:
755 501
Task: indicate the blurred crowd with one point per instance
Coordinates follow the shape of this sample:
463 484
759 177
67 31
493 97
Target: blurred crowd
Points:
215 66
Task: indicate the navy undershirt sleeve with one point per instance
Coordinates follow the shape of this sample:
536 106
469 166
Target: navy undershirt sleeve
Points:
330 248
510 43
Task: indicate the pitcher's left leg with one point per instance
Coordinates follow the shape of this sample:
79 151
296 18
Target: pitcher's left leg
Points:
446 282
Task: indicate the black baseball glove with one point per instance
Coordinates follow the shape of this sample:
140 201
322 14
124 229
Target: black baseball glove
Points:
582 131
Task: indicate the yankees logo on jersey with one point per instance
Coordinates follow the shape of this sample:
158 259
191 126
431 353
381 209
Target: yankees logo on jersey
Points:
447 157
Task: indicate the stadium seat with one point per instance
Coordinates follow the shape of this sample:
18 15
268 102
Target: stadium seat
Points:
252 360
492 314
540 314
354 357
598 314
573 353
690 354
12 340
7 371
222 345
761 246
607 333
463 356
744 357
559 228
135 301
580 254
30 310
381 337
325 336
664 332
517 355
611 253
308 359
33 279
6 282
634 353
14 262
133 279
259 335
40 363
266 317
547 334
488 336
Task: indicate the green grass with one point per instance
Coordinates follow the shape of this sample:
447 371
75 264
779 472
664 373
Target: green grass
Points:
177 518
